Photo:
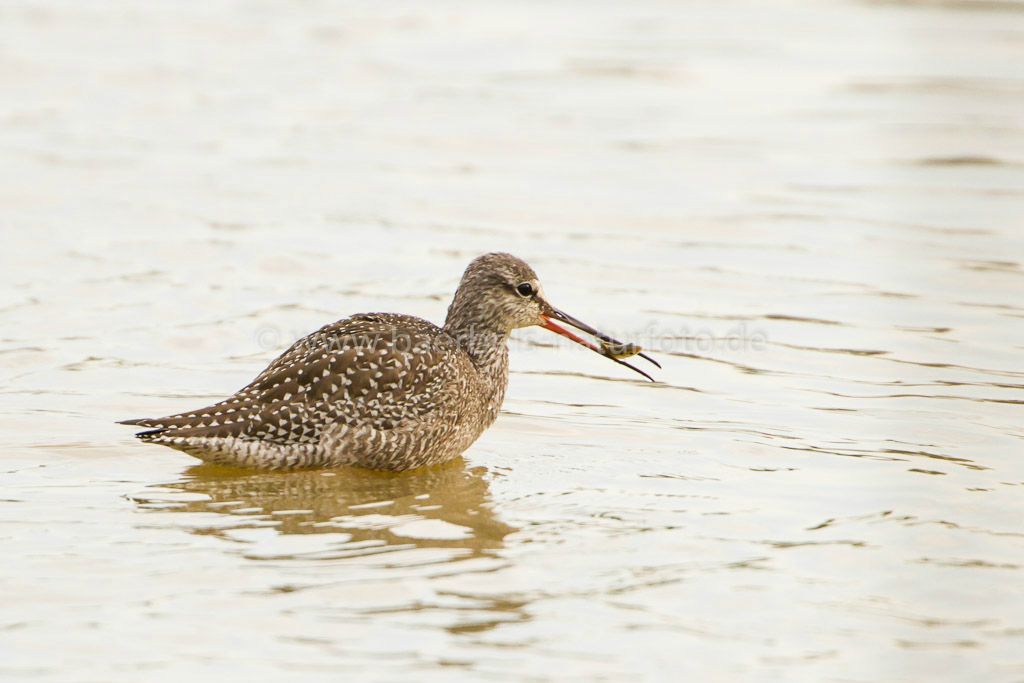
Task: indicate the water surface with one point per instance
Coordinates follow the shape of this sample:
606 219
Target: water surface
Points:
810 211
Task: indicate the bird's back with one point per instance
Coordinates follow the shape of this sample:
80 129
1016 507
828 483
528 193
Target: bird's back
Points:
334 393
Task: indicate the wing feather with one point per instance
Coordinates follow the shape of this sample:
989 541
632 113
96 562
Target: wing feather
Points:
376 369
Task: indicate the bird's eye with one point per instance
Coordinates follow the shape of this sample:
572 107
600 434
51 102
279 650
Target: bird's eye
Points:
525 289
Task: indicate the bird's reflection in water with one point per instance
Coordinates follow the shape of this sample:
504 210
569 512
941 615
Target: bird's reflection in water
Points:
441 507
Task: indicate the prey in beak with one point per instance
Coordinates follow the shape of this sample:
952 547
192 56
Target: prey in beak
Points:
606 346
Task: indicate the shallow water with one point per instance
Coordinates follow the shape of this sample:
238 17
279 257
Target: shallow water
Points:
810 211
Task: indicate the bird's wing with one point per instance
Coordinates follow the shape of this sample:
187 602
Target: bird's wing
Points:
373 369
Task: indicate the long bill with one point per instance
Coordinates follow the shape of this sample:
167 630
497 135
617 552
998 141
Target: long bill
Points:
609 347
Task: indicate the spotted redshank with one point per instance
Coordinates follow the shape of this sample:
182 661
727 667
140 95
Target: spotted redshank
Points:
382 390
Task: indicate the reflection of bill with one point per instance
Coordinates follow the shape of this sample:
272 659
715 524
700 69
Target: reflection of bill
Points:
442 507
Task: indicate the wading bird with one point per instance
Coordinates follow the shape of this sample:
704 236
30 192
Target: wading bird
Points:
382 390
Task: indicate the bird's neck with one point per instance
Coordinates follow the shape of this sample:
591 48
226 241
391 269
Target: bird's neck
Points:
486 347
488 352
480 332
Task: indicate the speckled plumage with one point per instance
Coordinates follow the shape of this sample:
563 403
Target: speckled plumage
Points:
378 390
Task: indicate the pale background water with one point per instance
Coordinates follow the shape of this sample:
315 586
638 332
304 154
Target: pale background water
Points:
812 211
